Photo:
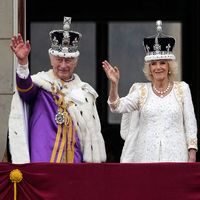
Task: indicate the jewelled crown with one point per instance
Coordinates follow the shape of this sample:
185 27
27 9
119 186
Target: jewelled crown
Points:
64 43
159 46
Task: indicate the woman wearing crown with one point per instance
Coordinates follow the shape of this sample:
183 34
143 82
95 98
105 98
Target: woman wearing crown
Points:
158 121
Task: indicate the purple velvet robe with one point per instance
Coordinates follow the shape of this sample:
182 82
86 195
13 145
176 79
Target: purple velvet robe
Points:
42 124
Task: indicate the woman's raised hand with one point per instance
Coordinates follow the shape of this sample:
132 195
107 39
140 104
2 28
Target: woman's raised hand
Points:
111 72
20 48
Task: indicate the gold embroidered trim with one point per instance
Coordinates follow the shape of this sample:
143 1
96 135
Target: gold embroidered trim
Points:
179 92
142 94
24 90
70 145
192 142
64 130
63 143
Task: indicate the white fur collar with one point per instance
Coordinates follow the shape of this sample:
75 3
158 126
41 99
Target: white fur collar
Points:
73 89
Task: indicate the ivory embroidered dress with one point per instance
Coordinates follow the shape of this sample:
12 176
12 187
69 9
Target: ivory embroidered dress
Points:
166 129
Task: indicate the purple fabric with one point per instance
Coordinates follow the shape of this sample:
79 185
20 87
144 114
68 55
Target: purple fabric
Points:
42 124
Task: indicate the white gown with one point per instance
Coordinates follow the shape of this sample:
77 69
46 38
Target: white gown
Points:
166 130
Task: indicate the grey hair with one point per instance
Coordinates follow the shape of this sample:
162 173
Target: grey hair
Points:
173 70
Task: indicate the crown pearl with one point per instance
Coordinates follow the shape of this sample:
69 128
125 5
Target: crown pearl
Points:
159 26
159 23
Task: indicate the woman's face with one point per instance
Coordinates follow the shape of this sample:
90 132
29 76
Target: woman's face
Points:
159 69
63 68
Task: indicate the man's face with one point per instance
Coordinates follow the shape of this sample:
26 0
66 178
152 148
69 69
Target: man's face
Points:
63 68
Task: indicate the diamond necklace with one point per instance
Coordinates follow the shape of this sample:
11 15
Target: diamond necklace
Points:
162 93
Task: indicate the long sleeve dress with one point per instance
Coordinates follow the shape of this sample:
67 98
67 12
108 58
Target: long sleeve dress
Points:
166 127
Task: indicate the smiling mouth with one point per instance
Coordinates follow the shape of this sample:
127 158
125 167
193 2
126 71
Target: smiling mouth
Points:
65 71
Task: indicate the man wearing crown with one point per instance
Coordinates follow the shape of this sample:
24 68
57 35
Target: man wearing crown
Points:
53 114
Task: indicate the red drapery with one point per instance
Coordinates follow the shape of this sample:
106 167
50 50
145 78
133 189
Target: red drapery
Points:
108 181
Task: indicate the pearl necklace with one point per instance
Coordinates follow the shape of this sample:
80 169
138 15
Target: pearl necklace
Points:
162 93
